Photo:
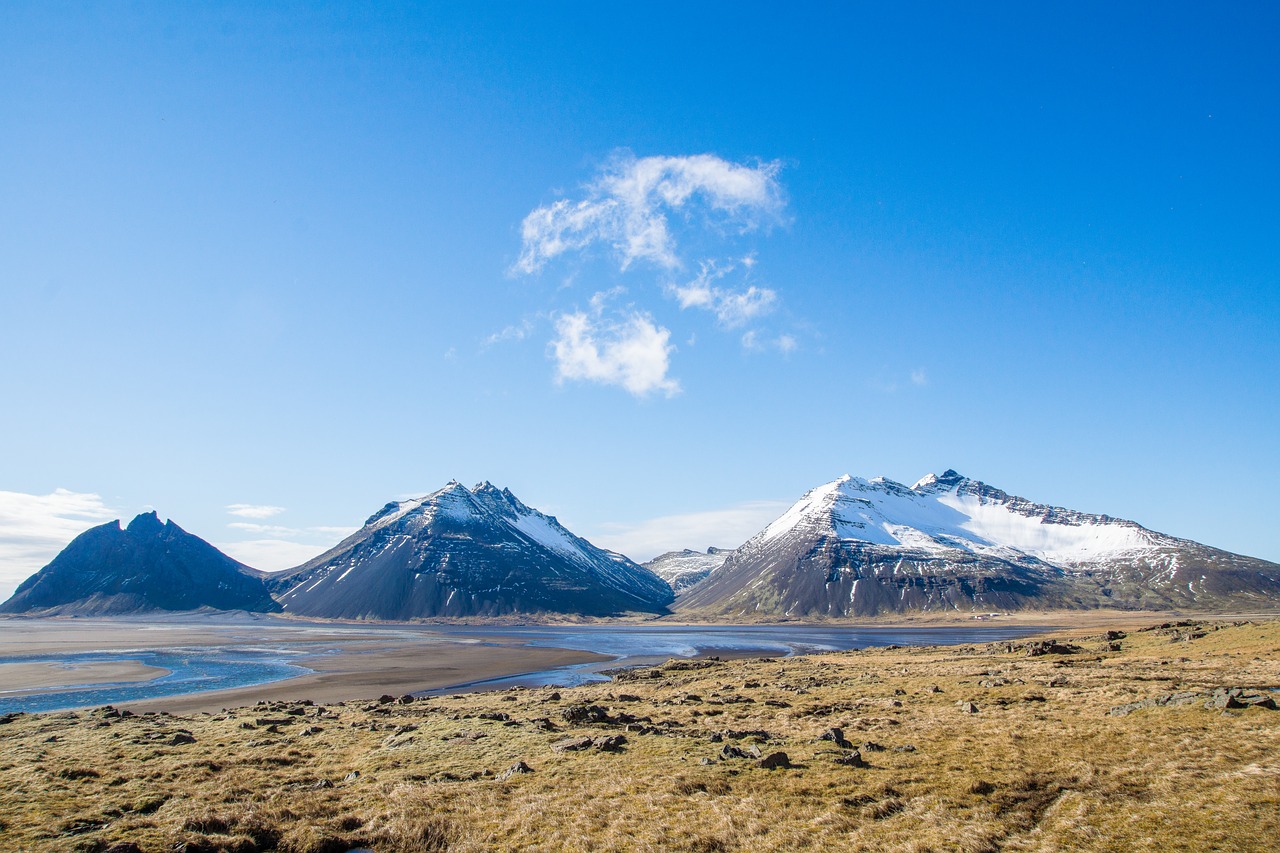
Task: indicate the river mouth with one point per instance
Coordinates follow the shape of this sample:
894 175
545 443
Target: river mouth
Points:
174 672
191 670
648 645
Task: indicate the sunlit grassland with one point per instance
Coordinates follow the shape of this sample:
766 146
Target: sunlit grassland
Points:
1041 765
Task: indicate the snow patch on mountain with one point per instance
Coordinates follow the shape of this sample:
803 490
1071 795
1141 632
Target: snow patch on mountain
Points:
950 512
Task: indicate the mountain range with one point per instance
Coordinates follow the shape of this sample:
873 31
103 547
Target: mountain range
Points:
849 548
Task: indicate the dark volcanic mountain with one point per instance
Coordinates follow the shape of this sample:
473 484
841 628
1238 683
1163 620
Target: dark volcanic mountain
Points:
460 552
858 547
147 566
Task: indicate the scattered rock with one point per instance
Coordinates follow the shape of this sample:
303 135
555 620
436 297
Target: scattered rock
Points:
1050 647
774 759
517 769
1174 700
181 738
579 714
352 776
572 744
967 707
836 736
852 759
609 743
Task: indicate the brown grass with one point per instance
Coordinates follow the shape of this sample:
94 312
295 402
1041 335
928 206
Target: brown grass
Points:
1040 767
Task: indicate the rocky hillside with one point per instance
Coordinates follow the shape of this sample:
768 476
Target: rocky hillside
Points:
462 552
682 570
147 566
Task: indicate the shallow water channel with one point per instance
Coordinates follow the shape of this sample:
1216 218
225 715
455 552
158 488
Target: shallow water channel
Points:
206 668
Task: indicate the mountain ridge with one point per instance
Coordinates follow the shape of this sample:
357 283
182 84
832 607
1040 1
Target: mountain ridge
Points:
461 552
855 547
147 566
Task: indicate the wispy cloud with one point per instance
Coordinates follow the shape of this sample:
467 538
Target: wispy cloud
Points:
918 377
630 351
34 528
626 208
254 510
732 308
515 332
722 528
753 340
275 547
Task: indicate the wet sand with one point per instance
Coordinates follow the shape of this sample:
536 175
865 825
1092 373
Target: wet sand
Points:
18 678
351 661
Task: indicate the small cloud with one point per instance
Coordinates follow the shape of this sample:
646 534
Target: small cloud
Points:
271 555
752 340
254 510
509 334
626 206
733 308
918 377
34 528
723 528
631 352
451 354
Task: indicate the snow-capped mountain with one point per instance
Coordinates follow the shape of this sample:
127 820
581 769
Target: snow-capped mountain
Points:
684 569
147 566
861 547
466 552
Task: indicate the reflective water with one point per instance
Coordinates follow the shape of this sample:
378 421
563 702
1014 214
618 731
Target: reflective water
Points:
206 668
191 670
637 645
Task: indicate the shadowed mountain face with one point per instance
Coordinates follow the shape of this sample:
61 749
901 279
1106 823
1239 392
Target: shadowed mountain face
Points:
461 552
857 547
148 566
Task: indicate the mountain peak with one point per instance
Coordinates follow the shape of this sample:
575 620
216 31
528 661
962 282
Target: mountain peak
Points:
146 523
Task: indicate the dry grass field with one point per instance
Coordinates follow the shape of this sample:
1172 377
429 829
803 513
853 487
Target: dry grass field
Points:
1005 747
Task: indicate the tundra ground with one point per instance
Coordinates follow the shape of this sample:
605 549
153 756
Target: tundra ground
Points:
1158 739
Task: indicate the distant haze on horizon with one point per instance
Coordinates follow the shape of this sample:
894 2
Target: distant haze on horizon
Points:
659 271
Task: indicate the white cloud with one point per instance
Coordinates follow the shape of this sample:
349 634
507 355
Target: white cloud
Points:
34 528
272 555
277 547
733 308
918 377
513 333
626 208
631 352
785 344
722 528
254 510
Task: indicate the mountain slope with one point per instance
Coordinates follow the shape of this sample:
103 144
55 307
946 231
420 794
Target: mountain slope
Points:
857 547
682 570
146 566
460 552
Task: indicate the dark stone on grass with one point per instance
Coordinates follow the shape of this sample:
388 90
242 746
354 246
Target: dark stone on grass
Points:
852 759
836 736
773 760
578 714
517 769
572 744
181 738
610 743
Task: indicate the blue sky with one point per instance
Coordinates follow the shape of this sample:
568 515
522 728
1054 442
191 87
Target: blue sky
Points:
275 267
